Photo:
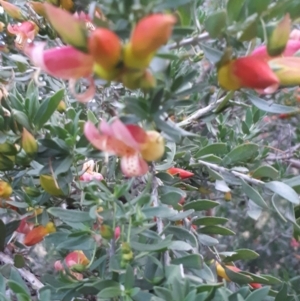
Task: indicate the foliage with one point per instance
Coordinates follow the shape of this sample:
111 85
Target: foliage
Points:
77 224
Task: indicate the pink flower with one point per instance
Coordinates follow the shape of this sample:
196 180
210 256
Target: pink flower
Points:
63 62
125 141
25 32
291 48
89 173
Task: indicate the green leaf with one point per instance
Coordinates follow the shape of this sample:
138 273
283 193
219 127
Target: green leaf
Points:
16 287
212 54
253 195
110 292
212 149
163 245
16 278
284 191
242 254
129 278
265 171
47 108
193 261
271 108
19 261
181 234
210 221
216 23
259 294
257 6
21 118
163 293
70 215
241 153
2 285
237 277
216 230
168 4
179 245
207 240
200 205
234 8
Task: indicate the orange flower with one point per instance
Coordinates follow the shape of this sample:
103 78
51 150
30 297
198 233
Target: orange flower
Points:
25 32
247 72
126 141
37 234
147 37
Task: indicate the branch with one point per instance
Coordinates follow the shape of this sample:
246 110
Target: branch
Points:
189 41
28 276
235 173
201 112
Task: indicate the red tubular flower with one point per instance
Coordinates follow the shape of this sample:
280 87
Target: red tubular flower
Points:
66 63
25 32
291 48
247 72
183 174
25 227
117 232
147 37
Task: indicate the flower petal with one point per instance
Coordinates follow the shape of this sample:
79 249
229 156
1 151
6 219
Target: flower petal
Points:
64 62
133 166
93 135
121 132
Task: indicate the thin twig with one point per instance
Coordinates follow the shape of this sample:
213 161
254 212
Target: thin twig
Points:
34 282
189 41
155 202
235 173
201 112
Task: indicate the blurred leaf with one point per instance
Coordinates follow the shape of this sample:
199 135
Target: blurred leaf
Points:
234 8
216 230
283 190
265 171
200 205
216 23
241 153
211 54
212 149
253 195
271 108
242 254
209 221
259 294
193 261
70 215
47 108
179 245
2 236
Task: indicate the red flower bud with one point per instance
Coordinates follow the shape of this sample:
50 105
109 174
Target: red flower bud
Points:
37 234
183 174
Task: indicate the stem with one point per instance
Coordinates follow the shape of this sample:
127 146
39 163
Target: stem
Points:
189 41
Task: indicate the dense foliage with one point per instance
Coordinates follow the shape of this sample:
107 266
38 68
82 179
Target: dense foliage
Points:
148 150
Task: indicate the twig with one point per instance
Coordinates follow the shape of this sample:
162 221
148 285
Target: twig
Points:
235 173
288 154
199 113
189 41
34 282
159 223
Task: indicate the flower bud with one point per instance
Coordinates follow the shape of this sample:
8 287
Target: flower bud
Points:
106 232
61 107
154 147
5 190
182 173
147 37
117 232
6 163
29 144
137 79
279 37
12 10
105 47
